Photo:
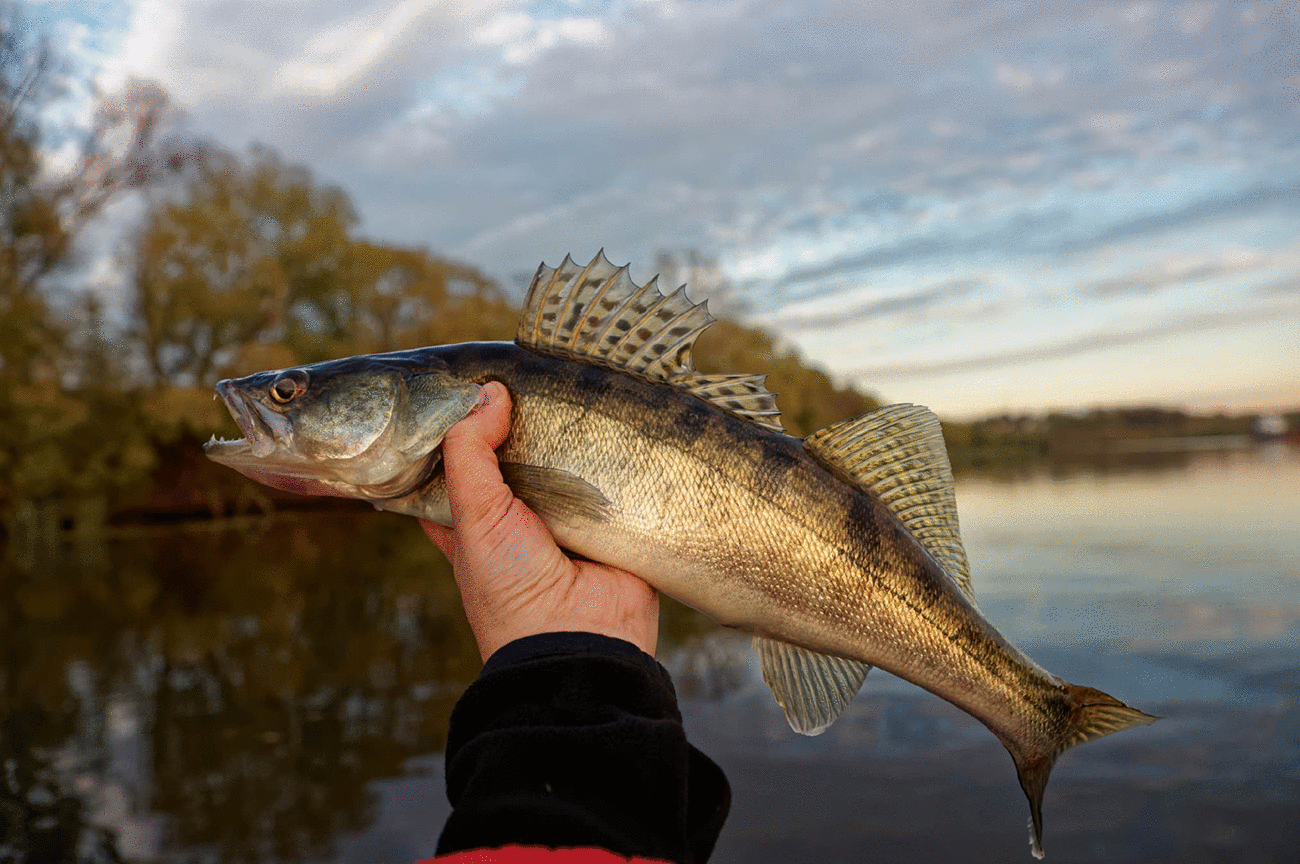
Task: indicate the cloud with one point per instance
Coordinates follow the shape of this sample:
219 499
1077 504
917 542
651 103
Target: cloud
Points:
1180 271
1058 231
1290 285
936 244
1081 345
1093 155
254 70
342 52
777 116
1215 206
521 37
917 301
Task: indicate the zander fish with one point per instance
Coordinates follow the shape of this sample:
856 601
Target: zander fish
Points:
838 552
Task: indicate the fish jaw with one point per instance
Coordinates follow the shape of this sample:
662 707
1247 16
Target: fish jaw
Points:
265 453
265 432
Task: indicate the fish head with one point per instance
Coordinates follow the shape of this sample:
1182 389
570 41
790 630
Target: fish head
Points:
364 427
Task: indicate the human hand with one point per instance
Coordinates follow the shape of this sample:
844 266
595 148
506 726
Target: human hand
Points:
514 580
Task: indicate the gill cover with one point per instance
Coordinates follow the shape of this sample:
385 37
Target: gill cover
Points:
431 404
434 403
425 406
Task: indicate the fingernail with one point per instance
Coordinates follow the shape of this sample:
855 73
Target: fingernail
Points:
484 400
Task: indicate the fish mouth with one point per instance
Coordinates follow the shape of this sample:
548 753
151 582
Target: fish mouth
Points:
264 430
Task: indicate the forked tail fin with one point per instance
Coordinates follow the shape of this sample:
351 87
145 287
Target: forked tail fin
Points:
1093 715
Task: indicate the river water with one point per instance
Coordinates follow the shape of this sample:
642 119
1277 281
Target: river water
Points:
276 689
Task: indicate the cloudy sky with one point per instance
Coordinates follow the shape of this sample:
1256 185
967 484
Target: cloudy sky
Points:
978 206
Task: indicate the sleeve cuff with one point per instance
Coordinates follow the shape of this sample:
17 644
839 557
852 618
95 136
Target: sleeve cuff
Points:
568 644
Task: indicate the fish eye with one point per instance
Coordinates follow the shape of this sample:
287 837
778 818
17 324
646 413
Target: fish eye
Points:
289 386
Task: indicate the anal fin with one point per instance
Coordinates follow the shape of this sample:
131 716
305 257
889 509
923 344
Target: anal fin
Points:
811 688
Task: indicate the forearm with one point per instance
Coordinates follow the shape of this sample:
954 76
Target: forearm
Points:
574 739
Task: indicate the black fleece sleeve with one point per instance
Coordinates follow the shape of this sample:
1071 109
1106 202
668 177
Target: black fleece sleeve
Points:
574 739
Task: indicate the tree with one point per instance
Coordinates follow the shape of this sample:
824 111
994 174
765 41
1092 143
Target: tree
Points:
45 423
32 236
405 298
221 264
252 265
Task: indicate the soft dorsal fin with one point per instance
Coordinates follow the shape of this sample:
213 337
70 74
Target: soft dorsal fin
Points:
597 314
898 453
746 395
811 688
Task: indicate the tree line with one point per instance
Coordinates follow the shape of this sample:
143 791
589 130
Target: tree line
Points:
239 262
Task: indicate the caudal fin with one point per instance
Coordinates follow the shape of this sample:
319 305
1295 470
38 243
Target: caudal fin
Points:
1092 715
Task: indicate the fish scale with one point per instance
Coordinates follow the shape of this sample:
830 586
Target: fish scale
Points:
838 552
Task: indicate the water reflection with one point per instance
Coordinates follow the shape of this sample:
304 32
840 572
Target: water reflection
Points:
247 684
277 689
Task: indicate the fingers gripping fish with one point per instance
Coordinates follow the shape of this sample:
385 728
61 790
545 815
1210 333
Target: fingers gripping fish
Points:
838 552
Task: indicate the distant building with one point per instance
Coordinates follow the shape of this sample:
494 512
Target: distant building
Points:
1268 427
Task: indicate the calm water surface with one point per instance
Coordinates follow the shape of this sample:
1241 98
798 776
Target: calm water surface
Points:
277 689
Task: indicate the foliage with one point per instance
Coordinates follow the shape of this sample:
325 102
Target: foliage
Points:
56 378
224 262
241 263
253 265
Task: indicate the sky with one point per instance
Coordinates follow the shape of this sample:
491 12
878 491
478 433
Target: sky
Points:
976 206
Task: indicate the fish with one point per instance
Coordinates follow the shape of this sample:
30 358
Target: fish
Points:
837 552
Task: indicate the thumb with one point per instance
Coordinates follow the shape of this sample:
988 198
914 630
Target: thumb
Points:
479 498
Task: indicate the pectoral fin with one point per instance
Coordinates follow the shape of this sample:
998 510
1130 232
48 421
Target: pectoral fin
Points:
811 688
555 493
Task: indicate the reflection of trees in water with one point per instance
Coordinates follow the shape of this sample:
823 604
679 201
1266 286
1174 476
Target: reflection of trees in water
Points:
1114 464
41 820
1153 463
710 666
246 685
275 671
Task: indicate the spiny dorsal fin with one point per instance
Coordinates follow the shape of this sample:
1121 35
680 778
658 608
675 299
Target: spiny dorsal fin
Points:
597 314
811 688
898 453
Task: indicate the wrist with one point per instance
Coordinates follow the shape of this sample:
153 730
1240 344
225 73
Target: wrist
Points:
643 635
566 644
